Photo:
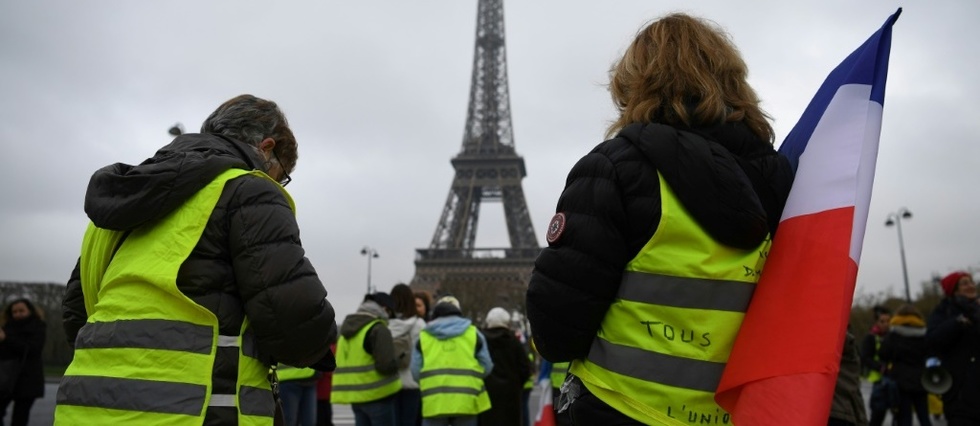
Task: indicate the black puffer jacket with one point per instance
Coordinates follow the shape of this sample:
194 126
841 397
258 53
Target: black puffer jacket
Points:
249 261
953 333
731 182
904 349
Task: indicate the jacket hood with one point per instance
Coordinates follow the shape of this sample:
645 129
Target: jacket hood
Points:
367 312
908 330
123 197
701 167
400 327
446 327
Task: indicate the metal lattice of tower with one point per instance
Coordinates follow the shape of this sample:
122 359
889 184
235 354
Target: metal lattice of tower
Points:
487 169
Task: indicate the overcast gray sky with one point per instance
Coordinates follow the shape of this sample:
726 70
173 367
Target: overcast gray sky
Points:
376 92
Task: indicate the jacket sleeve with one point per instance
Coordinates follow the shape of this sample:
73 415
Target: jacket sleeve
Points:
483 354
576 277
416 365
283 297
381 346
943 329
73 315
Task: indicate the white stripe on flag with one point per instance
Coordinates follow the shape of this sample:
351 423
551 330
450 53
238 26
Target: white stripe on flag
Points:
837 168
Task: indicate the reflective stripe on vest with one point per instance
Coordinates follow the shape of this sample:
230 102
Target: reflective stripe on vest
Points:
451 379
356 380
559 371
146 353
663 344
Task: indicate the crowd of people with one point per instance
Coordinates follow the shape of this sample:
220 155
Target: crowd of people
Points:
901 346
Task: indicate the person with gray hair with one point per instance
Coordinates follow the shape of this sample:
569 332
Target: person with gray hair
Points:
511 368
192 281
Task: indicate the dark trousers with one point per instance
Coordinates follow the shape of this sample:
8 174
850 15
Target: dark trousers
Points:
588 410
324 413
907 401
408 407
22 411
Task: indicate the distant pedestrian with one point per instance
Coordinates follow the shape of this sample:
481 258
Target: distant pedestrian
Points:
511 369
22 340
847 407
904 350
324 408
423 304
405 329
953 332
367 370
297 392
450 362
873 368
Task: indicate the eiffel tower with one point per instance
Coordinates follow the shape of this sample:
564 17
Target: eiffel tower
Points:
487 169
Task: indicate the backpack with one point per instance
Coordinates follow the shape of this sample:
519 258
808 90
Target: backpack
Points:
403 348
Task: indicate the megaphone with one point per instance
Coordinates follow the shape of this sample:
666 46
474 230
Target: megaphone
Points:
935 378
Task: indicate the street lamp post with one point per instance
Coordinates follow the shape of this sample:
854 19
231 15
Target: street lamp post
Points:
370 253
896 219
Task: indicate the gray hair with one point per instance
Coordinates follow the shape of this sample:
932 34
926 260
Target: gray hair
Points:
249 119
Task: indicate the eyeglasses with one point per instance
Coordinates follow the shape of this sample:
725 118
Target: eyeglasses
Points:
285 176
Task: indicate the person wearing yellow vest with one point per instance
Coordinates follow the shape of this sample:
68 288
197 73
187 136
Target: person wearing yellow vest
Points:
450 361
192 281
367 368
511 369
660 234
872 367
297 390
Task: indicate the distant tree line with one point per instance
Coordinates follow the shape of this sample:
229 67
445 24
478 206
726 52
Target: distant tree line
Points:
862 317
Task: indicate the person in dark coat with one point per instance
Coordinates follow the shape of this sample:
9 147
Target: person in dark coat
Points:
247 267
22 337
511 368
847 407
904 349
953 332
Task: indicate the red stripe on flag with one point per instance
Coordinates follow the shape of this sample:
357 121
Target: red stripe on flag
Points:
794 326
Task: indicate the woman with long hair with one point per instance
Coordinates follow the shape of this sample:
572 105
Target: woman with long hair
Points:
405 328
22 338
660 233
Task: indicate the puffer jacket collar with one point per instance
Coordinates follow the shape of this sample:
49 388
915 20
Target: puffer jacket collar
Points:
124 197
707 178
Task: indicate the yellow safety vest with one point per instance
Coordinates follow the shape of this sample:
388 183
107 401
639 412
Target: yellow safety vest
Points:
146 353
559 371
662 346
356 380
286 373
451 379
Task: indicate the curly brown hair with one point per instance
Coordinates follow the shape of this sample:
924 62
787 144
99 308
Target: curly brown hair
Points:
682 70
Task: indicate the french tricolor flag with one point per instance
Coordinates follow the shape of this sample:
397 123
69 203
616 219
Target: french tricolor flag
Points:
785 360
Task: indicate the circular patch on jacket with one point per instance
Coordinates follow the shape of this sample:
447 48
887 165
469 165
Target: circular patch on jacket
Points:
556 227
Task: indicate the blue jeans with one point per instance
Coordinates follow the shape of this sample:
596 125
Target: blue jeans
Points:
298 403
408 403
446 421
375 413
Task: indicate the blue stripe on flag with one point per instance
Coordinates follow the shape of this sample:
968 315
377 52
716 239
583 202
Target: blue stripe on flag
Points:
868 64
